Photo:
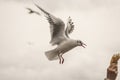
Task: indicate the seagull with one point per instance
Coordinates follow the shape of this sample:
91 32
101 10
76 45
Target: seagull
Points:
60 37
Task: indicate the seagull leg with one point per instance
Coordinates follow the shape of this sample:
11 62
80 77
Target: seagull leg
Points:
62 59
59 58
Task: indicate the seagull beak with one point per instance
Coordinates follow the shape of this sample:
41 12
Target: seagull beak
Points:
83 45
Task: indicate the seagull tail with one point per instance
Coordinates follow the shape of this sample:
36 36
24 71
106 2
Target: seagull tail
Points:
51 55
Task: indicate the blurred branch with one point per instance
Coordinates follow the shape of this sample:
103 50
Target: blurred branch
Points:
112 70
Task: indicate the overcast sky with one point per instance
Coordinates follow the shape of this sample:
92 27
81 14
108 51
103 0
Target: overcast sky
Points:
24 38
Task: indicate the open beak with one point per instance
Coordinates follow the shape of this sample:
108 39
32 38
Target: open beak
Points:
83 45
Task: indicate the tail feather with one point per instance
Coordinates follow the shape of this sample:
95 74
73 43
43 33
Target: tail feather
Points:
51 55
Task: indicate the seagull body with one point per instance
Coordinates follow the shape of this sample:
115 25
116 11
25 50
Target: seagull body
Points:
60 37
61 49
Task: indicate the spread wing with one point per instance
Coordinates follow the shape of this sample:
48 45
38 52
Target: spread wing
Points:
56 28
70 27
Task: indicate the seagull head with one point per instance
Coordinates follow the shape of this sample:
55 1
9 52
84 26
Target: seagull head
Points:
80 43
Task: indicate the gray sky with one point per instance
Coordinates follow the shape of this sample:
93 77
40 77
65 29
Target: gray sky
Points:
25 38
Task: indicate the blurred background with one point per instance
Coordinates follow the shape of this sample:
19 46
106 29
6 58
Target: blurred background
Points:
24 38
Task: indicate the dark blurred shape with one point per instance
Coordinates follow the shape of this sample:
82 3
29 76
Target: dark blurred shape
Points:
112 70
32 11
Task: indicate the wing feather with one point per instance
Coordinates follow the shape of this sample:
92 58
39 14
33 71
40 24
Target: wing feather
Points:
56 27
70 27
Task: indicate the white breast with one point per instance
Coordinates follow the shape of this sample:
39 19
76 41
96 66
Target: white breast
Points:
66 46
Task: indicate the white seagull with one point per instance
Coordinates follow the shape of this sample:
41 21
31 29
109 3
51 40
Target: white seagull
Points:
59 37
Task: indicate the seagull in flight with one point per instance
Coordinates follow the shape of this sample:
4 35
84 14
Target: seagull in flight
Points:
60 37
